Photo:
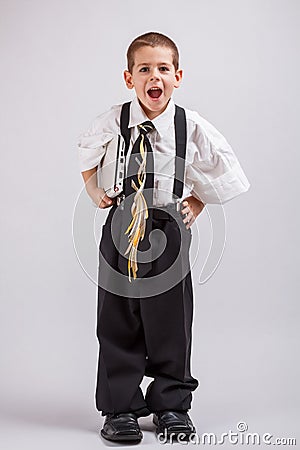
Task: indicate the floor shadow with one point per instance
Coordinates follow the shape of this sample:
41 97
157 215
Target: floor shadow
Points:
146 424
54 415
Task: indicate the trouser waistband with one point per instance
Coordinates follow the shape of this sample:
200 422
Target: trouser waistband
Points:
173 206
159 212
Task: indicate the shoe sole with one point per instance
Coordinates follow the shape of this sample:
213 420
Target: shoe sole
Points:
120 437
174 436
175 433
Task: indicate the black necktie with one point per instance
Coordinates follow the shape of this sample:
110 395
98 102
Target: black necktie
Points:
138 211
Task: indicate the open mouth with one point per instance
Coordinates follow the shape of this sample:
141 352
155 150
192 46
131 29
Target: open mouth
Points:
154 92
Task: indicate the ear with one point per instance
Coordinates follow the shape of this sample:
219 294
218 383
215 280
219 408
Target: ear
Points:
178 78
128 79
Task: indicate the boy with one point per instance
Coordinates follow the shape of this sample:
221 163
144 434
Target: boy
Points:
142 328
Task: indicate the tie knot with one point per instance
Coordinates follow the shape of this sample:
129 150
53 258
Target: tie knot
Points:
146 127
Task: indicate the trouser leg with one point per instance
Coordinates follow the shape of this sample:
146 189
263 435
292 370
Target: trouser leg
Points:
169 348
122 354
167 322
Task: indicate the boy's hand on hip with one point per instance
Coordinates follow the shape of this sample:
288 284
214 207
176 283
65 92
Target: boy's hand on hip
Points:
192 207
100 198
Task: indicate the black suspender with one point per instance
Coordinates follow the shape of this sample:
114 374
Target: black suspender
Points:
180 142
125 131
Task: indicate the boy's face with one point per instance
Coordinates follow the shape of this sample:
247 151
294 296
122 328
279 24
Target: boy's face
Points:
154 78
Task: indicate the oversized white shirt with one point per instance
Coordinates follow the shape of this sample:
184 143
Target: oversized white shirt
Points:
213 173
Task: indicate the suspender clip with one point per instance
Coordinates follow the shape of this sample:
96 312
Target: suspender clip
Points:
120 199
178 204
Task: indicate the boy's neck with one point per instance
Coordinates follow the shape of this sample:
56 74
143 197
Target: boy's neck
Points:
154 115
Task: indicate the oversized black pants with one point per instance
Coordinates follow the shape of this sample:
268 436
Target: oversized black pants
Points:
146 336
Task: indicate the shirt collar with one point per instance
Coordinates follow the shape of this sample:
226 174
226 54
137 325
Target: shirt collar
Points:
161 122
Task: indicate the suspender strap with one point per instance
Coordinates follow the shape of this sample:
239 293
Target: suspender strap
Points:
180 140
125 131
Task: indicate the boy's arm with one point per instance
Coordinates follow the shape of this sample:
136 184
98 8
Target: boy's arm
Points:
97 194
215 172
192 207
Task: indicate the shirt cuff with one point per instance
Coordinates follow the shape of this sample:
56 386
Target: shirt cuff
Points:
224 188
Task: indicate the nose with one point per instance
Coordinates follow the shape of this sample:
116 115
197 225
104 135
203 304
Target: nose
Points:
154 75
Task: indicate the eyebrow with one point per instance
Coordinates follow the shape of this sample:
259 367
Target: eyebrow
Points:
160 64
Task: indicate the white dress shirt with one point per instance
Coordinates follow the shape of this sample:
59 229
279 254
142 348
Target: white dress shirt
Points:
212 172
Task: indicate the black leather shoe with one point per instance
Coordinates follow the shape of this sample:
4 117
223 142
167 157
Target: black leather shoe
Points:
173 423
121 427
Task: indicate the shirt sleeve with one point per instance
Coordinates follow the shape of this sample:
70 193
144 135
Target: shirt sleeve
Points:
215 172
91 143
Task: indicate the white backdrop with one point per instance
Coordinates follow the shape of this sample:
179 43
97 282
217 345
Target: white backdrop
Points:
61 65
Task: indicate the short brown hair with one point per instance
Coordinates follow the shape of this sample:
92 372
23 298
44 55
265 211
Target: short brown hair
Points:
151 39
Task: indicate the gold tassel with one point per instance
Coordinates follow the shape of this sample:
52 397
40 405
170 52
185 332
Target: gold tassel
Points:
139 211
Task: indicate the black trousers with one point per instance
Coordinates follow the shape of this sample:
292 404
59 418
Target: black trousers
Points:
146 336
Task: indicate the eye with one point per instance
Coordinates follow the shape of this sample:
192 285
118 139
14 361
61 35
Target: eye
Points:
164 68
144 69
